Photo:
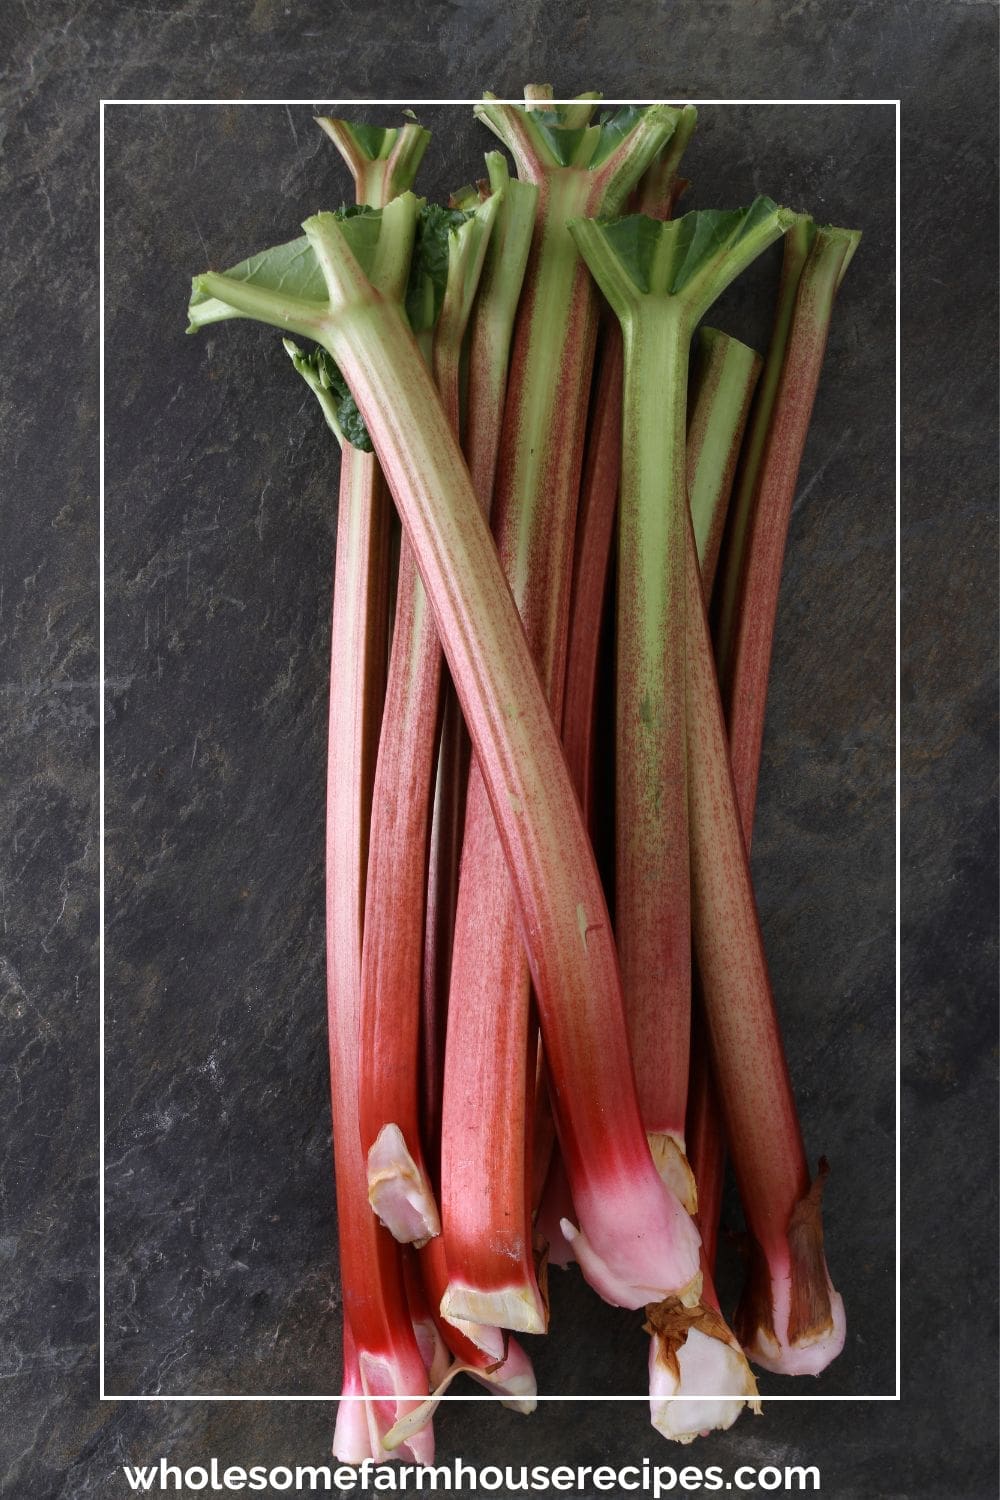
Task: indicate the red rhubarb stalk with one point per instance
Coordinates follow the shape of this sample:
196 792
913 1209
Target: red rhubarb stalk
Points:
393 956
380 1353
485 1190
492 1358
753 577
636 1242
724 374
790 1318
794 252
487 351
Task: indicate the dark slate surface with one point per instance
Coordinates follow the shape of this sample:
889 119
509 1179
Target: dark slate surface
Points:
220 488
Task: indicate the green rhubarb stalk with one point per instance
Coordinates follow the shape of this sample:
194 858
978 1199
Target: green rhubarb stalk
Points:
756 548
723 377
383 161
485 1168
492 322
660 279
635 1241
656 195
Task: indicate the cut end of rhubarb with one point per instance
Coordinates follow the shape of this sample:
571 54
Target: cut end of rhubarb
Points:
351 1442
388 1407
672 1164
512 1380
693 1355
433 1349
520 1308
790 1319
772 1348
635 1244
609 1277
399 1192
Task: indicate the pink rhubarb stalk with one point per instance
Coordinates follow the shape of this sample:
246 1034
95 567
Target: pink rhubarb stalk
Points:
706 1153
767 491
393 955
351 1439
485 1189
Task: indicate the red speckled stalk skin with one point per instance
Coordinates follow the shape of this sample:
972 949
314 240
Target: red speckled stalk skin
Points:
744 684
751 1073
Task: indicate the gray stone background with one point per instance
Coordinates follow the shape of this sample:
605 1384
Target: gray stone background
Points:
220 511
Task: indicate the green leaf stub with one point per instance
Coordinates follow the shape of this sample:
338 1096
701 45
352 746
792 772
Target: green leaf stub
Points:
321 372
429 266
690 260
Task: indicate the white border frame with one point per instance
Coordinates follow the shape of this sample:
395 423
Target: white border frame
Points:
104 1394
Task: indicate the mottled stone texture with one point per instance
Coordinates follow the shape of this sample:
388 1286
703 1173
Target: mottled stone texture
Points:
220 512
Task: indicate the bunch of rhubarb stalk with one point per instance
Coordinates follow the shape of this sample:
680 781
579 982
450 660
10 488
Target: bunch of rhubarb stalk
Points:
534 1060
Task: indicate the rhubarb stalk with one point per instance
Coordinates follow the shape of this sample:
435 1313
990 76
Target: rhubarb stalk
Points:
764 506
448 258
790 1319
724 374
680 1356
656 196
486 356
485 1190
381 1357
636 1241
660 279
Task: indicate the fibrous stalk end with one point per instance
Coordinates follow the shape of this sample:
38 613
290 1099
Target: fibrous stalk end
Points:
398 1190
520 1308
692 1354
791 1319
673 1166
